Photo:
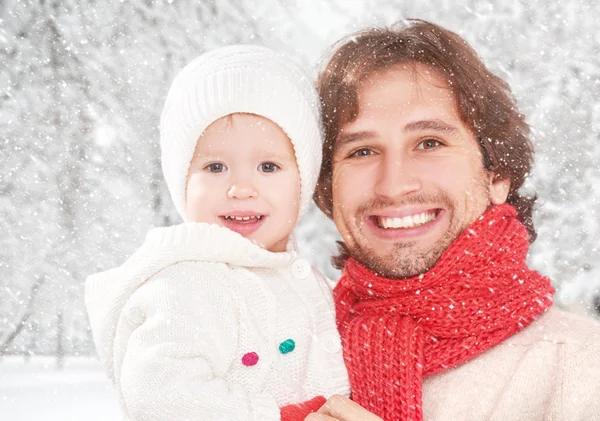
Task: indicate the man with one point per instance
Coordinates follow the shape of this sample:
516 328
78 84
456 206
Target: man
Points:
440 317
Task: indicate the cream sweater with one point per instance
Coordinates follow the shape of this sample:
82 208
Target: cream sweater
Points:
549 371
177 325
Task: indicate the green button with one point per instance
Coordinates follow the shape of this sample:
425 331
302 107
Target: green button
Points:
287 346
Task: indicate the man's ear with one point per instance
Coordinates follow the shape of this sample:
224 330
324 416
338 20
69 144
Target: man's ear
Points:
499 189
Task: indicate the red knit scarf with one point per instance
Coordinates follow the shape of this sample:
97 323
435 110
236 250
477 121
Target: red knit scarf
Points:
396 331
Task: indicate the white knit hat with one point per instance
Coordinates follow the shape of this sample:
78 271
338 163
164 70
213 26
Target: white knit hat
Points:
240 79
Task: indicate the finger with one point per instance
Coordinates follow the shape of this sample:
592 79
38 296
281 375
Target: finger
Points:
315 416
343 409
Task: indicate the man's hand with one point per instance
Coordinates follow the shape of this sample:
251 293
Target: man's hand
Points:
340 408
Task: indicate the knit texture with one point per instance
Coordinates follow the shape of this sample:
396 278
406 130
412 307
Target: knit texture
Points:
173 325
397 331
240 79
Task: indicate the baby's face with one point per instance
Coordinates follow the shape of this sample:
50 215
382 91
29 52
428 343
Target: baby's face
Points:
244 177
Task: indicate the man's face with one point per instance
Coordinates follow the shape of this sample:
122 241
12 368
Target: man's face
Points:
408 174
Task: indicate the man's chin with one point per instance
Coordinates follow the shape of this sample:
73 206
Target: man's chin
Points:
404 258
398 265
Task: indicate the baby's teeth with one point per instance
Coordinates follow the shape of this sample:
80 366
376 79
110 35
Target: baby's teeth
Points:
243 218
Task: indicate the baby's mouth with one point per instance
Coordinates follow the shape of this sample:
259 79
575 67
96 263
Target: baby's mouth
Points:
245 224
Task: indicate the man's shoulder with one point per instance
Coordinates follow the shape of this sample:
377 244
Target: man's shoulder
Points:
578 345
578 332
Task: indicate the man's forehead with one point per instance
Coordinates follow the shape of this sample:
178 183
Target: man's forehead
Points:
404 94
400 87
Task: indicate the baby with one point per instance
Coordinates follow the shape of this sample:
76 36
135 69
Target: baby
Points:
218 318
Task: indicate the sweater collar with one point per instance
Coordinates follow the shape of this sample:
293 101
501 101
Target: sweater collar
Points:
214 243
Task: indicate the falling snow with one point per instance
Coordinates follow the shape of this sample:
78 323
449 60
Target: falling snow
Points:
82 86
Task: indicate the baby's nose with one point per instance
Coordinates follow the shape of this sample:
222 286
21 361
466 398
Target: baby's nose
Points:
242 190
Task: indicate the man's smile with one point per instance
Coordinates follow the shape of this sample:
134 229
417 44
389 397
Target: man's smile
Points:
405 224
407 221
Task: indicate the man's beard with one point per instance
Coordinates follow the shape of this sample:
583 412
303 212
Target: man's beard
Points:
404 261
397 264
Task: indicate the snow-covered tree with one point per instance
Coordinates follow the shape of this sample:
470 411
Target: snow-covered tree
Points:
82 84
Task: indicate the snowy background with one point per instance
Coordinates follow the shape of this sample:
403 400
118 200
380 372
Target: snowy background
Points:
82 84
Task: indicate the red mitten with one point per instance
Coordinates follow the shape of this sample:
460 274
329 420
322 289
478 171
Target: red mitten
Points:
299 411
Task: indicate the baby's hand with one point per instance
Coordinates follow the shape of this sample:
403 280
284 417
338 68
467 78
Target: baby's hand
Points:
299 411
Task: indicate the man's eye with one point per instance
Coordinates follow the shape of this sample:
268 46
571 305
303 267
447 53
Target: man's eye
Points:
215 167
361 152
429 144
268 167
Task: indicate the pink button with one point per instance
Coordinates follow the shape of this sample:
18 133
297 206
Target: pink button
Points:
250 359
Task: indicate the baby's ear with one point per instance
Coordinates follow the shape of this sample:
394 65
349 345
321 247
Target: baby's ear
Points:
499 190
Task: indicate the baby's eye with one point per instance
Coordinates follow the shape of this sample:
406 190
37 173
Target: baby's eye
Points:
429 144
361 152
215 167
268 167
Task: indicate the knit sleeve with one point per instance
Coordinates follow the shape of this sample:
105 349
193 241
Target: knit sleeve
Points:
299 411
175 340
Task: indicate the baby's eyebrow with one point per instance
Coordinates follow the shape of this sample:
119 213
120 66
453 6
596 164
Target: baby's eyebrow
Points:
262 157
277 157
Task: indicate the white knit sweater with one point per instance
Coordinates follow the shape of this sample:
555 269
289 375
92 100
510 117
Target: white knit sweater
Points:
173 323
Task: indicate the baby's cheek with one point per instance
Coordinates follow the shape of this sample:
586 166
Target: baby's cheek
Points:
199 201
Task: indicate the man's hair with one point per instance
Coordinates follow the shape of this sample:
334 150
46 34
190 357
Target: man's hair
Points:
485 102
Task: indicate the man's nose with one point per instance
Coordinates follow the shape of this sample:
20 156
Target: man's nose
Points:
397 176
242 188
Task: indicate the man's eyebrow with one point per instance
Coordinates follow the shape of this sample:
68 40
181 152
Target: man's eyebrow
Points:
346 138
435 125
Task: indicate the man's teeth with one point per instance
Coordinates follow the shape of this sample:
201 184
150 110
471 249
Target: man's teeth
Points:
243 218
409 221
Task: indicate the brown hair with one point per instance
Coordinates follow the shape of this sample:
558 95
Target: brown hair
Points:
485 102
